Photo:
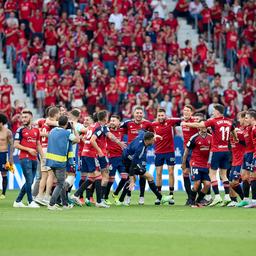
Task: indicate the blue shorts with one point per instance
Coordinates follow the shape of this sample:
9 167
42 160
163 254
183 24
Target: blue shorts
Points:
235 173
103 162
254 165
3 160
198 173
115 164
247 163
219 160
89 164
168 158
188 159
137 171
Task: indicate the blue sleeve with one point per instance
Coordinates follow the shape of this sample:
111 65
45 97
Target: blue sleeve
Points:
18 134
124 124
105 130
192 142
98 132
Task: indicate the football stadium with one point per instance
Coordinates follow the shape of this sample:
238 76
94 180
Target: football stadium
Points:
127 127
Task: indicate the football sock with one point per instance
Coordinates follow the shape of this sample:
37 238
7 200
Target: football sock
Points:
120 186
200 196
81 181
159 188
129 193
209 191
110 183
215 187
193 195
226 186
125 191
187 184
153 187
4 184
92 189
98 187
83 187
171 189
142 186
239 191
246 188
103 191
253 187
233 198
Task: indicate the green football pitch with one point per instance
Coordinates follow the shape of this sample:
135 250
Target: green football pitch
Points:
135 230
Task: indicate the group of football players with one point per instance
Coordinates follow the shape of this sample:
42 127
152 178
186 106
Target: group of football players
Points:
214 146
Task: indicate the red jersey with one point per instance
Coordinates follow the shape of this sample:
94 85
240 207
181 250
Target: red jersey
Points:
100 131
44 128
113 149
188 132
165 130
88 149
200 147
229 95
221 128
27 137
253 137
132 128
237 148
248 141
8 90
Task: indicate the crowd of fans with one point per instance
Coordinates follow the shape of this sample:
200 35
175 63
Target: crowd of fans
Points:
114 54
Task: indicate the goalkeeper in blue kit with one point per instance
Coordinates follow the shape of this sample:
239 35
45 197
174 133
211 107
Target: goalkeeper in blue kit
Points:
135 158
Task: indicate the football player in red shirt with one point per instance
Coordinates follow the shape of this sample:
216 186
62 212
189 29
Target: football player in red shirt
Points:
27 140
220 155
252 118
247 160
132 128
200 145
164 149
115 158
47 175
94 155
187 134
237 150
247 167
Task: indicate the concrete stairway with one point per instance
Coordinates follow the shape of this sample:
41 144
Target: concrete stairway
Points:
17 88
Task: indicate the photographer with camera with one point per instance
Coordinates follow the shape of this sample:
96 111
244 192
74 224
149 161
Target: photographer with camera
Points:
59 153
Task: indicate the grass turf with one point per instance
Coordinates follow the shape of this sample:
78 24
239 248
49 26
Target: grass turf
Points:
135 230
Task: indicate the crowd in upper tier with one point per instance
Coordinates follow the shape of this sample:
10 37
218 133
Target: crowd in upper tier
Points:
114 54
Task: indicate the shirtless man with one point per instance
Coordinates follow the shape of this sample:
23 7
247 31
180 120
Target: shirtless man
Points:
5 140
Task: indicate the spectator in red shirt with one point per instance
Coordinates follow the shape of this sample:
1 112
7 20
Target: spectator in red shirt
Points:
25 9
21 59
231 46
229 94
51 39
6 90
36 24
112 96
181 9
11 35
40 86
172 22
5 106
243 62
109 56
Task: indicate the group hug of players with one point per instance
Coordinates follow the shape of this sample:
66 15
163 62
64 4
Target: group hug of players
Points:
217 144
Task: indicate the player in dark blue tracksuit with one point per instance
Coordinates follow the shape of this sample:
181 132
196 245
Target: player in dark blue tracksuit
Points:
135 158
